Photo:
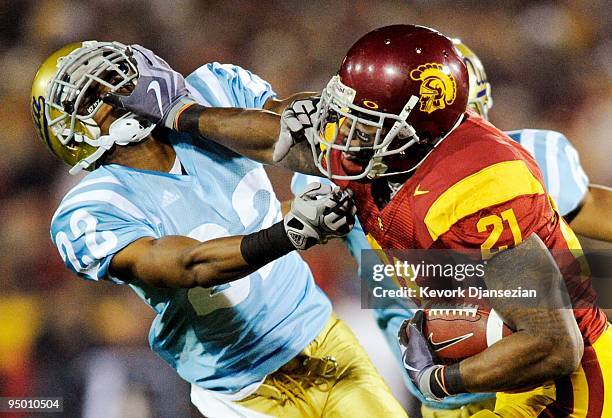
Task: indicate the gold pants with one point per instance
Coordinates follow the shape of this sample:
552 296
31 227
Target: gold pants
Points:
333 377
465 411
584 393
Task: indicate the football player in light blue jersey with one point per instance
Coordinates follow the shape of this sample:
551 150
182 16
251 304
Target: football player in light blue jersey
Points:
196 231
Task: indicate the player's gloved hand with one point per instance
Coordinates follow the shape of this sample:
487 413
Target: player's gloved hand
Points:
319 213
449 402
297 122
160 92
419 359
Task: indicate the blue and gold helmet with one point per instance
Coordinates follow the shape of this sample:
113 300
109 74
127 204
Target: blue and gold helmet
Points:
479 98
66 94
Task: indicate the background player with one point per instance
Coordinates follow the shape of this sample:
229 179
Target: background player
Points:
585 206
554 359
196 232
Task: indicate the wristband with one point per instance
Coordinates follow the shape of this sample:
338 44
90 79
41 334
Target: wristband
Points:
440 381
452 379
262 247
187 118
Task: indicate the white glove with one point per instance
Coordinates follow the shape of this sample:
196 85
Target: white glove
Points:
297 122
319 213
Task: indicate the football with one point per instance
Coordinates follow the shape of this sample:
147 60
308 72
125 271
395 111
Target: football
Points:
458 333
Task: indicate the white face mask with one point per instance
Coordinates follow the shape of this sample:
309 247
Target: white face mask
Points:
336 101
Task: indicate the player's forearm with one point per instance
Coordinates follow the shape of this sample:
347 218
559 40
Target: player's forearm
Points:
226 259
182 262
594 220
519 361
277 106
249 132
215 262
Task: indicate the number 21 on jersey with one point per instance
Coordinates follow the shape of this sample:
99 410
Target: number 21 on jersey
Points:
496 224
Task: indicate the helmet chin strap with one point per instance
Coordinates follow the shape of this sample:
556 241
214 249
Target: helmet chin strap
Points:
123 131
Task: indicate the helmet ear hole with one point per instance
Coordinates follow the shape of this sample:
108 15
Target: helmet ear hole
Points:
479 98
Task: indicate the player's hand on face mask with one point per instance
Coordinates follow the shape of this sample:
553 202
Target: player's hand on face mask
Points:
160 92
319 213
297 125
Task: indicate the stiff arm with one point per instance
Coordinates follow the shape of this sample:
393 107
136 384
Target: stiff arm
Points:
249 132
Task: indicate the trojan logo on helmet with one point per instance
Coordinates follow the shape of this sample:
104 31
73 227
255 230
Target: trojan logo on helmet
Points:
438 87
419 84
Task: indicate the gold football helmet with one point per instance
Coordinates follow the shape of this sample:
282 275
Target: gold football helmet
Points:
67 92
479 98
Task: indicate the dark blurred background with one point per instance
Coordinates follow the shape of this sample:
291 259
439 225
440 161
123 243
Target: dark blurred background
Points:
550 64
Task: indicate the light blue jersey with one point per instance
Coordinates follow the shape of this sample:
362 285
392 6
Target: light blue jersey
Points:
566 182
226 338
559 162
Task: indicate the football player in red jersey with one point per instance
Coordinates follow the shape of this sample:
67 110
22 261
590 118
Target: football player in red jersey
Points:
427 173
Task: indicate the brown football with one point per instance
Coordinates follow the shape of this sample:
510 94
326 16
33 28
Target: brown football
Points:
458 333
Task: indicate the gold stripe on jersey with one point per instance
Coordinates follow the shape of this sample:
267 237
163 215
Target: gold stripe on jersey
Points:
603 350
490 186
580 387
575 248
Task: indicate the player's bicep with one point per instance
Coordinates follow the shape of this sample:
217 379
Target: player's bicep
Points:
159 262
547 316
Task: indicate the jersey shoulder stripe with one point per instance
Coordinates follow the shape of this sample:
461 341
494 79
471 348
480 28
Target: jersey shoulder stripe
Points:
97 218
99 191
207 87
105 197
228 85
91 182
559 162
480 191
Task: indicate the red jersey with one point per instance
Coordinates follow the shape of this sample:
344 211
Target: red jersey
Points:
477 189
